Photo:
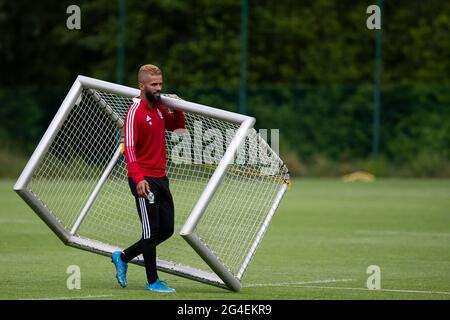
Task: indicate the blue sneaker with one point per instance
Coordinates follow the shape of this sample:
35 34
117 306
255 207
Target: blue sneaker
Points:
121 268
159 286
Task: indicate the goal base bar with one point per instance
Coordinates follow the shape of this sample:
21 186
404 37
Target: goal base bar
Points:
162 265
231 283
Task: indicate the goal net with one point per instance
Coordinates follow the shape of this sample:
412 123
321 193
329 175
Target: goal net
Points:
225 179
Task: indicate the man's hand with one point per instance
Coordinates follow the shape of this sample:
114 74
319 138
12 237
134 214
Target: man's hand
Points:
171 95
143 188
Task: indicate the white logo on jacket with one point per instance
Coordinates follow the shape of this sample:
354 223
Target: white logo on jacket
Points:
149 120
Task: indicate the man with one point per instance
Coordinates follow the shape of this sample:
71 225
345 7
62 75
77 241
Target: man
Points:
145 155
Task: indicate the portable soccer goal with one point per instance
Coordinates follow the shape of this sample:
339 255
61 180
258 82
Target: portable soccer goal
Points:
225 179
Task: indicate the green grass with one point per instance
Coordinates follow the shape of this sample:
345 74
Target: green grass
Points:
324 230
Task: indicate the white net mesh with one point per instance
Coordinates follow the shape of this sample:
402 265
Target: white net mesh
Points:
85 145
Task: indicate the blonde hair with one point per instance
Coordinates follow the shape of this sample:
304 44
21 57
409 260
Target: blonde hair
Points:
148 69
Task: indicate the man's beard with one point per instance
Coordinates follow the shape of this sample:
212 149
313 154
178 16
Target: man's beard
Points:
151 97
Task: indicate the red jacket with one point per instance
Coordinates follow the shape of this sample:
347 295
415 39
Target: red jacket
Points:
144 138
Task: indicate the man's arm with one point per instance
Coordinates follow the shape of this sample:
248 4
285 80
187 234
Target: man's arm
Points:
174 120
130 138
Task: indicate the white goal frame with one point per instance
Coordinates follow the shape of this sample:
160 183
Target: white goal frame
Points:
222 277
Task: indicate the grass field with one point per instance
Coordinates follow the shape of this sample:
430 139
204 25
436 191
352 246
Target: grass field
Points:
322 239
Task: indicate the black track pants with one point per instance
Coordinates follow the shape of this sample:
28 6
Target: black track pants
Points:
157 224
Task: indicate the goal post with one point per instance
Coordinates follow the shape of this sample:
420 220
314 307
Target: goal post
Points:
225 179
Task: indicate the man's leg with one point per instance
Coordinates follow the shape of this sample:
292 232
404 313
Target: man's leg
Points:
121 259
149 217
166 211
132 251
150 231
135 249
165 225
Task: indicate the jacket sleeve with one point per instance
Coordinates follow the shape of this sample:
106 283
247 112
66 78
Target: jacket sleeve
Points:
131 132
175 120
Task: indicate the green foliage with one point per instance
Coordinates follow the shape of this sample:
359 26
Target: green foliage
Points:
310 68
416 119
20 117
427 165
379 167
11 163
415 41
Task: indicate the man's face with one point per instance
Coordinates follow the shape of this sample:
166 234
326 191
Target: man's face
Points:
152 85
